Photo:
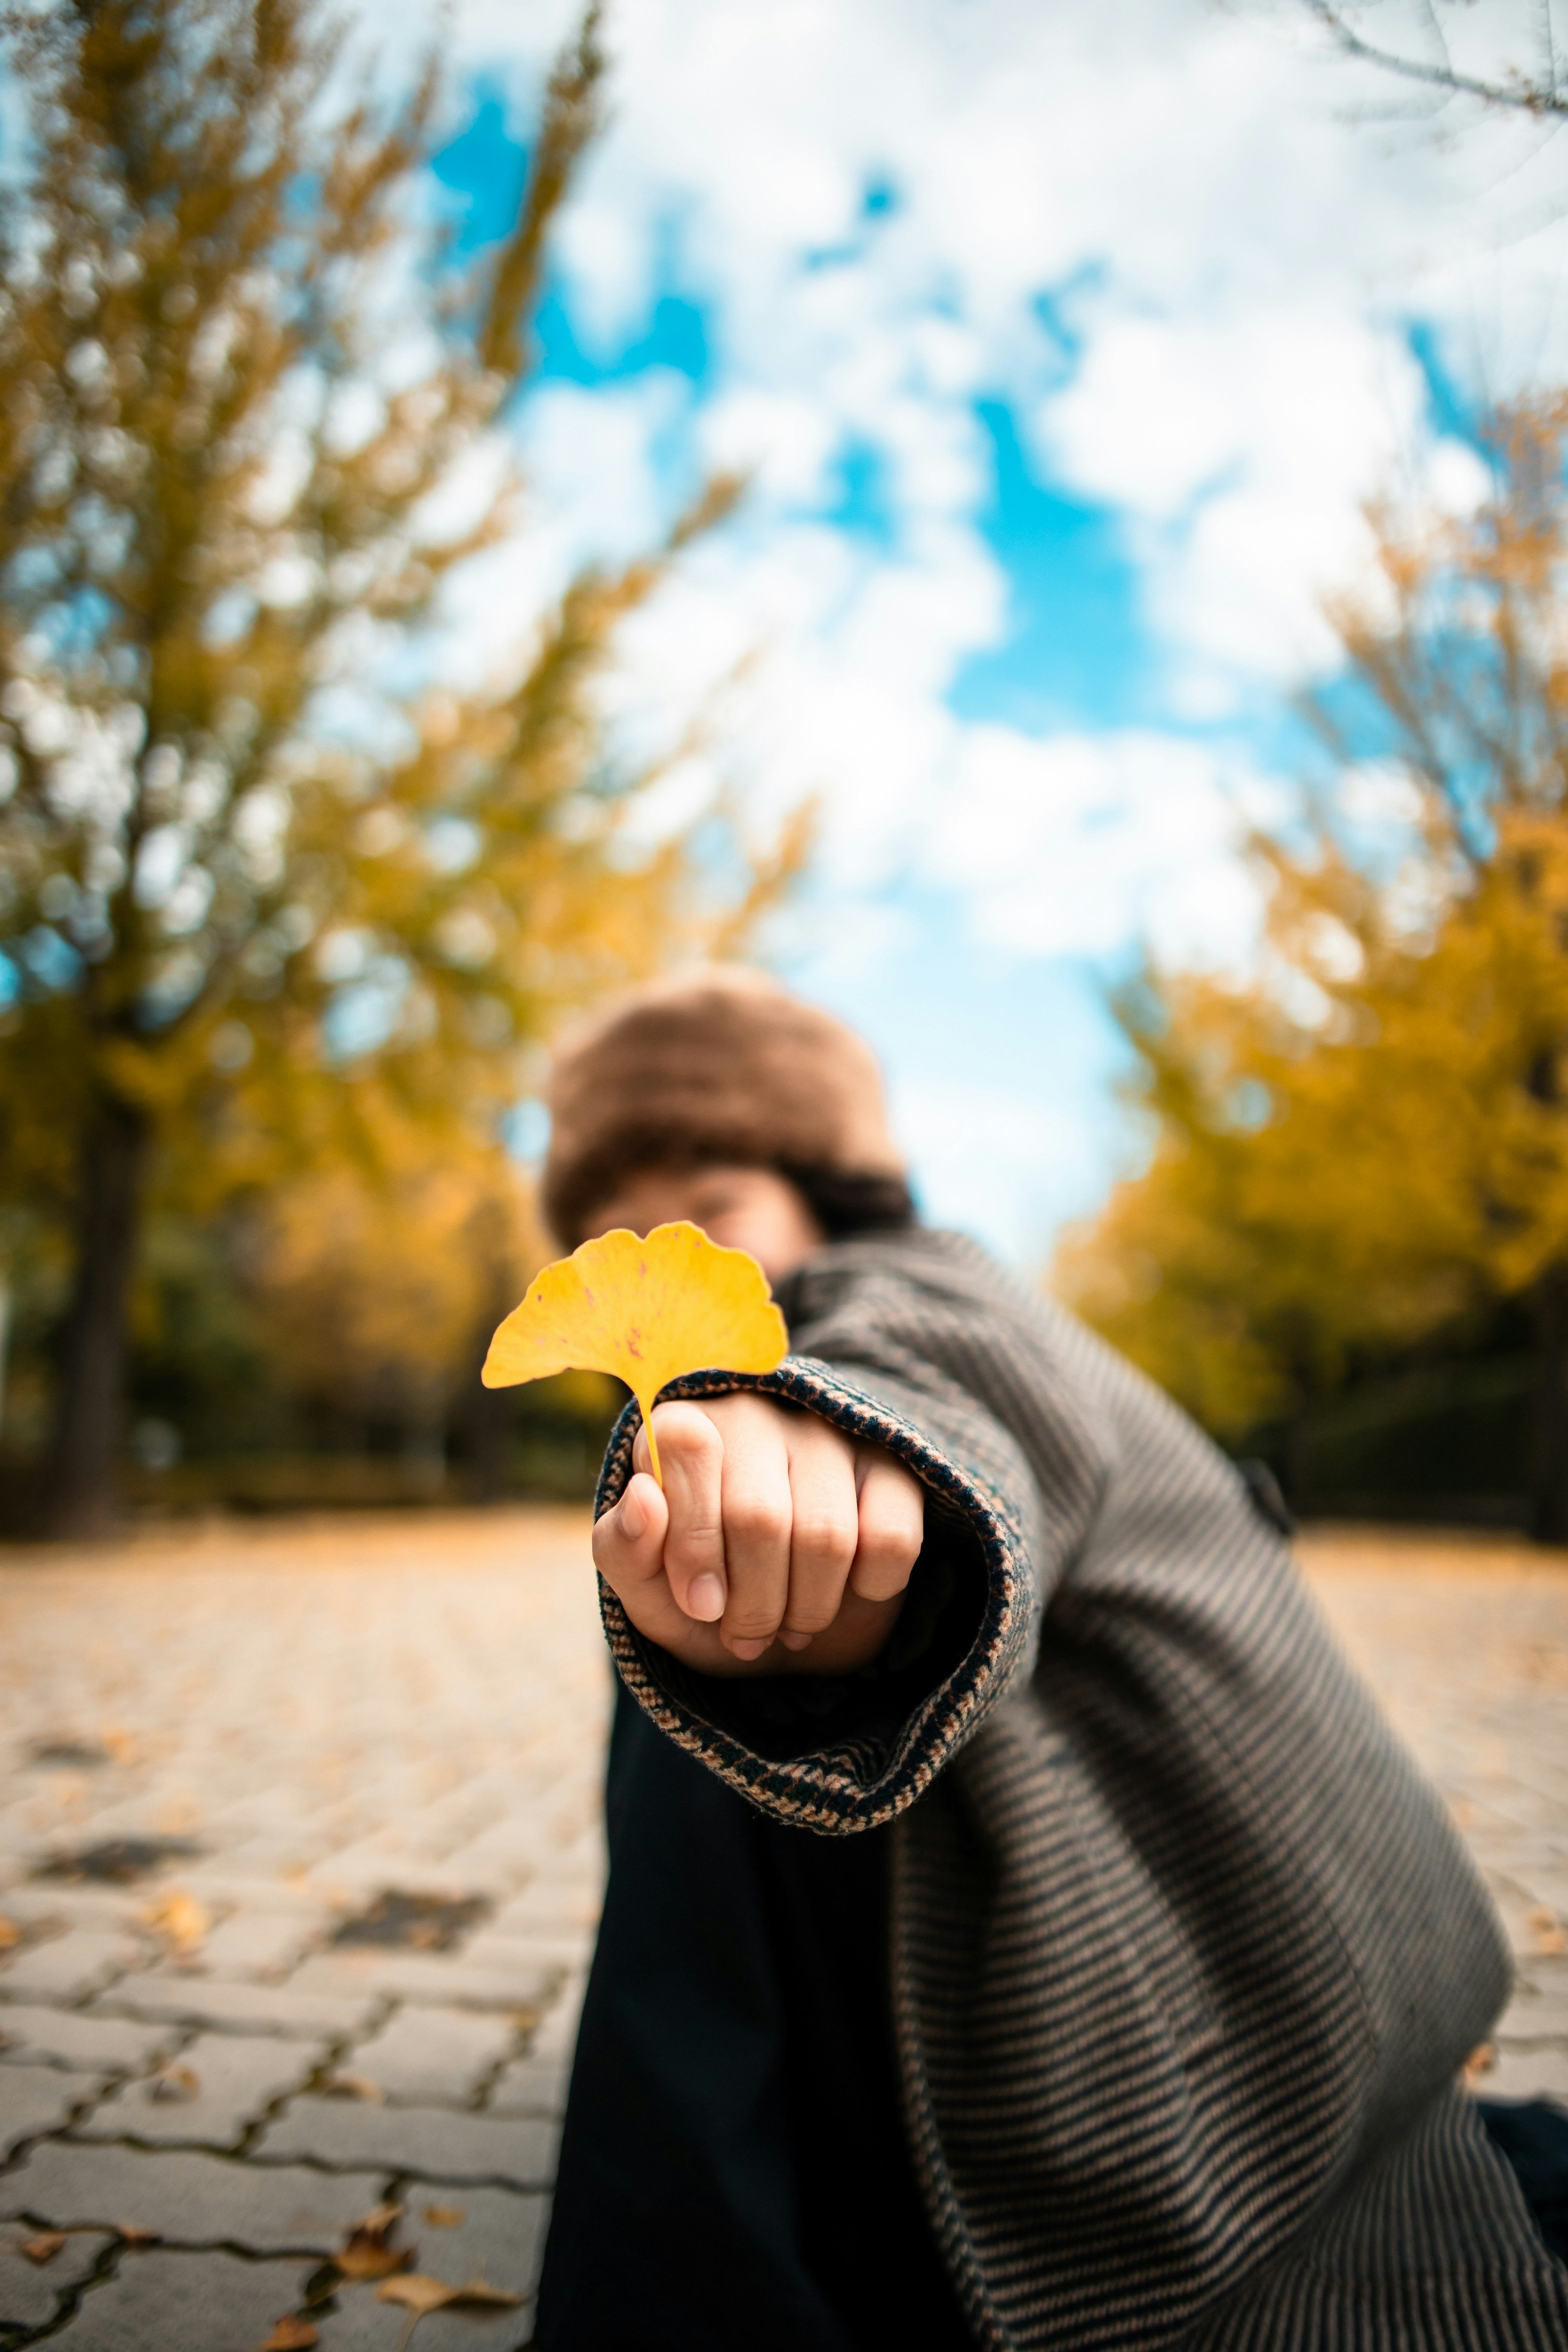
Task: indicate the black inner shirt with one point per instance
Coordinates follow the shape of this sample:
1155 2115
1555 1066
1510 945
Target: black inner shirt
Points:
733 2169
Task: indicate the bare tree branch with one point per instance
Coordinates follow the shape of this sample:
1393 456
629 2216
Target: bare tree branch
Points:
1544 95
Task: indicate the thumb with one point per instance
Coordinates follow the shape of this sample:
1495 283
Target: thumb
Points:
628 1542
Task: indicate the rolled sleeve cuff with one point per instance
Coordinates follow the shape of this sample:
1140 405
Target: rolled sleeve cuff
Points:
849 1753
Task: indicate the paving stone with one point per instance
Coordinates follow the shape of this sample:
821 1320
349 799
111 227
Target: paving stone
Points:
221 1885
189 2200
248 2008
555 2035
530 2086
500 2238
256 1944
1547 1887
1546 1977
518 1954
238 2076
69 1967
35 2099
360 2322
158 2301
441 1977
29 2291
505 1852
1526 2073
273 1858
433 2140
430 2053
548 1906
106 1909
31 2036
1528 2017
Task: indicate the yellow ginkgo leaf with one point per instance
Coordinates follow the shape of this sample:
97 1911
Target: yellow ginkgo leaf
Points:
645 1310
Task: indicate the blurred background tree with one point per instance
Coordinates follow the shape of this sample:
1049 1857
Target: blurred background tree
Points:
282 918
1362 1150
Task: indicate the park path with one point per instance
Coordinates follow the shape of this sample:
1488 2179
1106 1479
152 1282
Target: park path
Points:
300 1859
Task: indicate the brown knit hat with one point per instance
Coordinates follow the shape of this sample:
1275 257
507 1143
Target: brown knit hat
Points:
721 1064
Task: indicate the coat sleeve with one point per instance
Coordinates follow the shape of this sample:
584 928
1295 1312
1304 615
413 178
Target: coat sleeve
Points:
1012 1478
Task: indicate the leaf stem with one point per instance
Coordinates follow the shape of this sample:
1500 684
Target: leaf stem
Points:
645 1405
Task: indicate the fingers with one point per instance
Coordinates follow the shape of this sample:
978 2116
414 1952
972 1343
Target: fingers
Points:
757 1513
691 1453
773 1528
629 1542
891 1528
824 1528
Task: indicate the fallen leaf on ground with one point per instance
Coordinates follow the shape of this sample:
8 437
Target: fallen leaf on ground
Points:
181 1921
291 2334
44 2246
445 2217
646 1310
352 2086
1549 1938
378 2220
130 2234
422 2295
366 2250
174 2082
10 1934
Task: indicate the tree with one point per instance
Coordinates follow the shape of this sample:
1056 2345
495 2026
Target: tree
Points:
1367 1139
1540 89
269 893
376 1298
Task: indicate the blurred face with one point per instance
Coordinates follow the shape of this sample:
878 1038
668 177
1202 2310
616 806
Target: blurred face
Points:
742 1208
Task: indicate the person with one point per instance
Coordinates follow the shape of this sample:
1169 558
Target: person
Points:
1022 1928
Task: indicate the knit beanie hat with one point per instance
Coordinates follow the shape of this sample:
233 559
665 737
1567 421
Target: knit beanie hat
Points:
717 1065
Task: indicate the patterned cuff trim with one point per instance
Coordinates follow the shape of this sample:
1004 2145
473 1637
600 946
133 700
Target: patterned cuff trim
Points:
852 1784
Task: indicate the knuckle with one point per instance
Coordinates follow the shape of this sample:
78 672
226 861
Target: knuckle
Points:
886 1555
751 1624
754 1519
695 1540
686 1427
888 1540
825 1536
811 1615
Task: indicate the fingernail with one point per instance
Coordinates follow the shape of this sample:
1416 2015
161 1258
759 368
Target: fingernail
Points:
747 1649
634 1516
706 1599
795 1641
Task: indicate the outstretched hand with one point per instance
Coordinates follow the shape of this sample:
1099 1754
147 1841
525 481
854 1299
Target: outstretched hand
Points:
777 1545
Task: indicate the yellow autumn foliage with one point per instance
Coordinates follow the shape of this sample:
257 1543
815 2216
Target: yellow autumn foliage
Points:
275 891
1364 1143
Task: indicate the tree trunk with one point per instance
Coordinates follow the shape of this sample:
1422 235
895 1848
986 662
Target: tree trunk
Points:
80 1496
489 1415
1549 1432
1297 1464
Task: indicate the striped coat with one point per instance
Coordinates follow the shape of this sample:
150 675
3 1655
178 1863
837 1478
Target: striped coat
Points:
1185 1955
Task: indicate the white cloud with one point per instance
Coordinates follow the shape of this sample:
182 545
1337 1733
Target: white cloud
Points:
1238 259
1240 447
1078 843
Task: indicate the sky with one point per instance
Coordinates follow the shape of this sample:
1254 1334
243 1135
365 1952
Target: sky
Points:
1062 347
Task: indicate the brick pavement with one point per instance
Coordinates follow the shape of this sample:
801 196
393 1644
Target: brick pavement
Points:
1465 1642
202 2089
199 2086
